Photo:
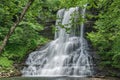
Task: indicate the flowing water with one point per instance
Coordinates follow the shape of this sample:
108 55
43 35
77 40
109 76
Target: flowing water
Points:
57 78
68 54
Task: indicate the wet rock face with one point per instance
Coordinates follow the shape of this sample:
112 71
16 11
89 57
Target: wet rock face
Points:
48 29
47 32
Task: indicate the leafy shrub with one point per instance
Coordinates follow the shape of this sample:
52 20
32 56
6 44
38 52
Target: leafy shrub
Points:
5 62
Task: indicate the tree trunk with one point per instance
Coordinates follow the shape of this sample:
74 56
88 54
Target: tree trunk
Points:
12 29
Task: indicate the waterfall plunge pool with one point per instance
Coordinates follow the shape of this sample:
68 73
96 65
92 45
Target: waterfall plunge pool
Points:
57 78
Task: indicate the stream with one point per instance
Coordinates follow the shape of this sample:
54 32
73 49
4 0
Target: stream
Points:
57 78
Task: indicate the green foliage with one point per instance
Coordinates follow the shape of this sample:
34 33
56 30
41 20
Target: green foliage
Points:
4 62
106 37
26 36
23 40
73 3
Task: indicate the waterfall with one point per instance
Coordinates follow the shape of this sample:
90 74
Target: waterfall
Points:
67 55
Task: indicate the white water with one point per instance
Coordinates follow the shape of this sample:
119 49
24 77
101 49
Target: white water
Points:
66 55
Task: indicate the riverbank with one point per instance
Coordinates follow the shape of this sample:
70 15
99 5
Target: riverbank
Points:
9 72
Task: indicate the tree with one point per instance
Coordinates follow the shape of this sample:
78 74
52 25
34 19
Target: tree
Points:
19 19
106 36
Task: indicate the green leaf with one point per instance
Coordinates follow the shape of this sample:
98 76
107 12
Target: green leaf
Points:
4 62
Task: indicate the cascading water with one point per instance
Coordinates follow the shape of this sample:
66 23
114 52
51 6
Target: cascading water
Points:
67 55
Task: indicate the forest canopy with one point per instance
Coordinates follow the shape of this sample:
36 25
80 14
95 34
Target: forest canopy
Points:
105 36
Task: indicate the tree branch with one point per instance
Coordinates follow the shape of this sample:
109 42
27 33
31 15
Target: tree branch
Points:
12 29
